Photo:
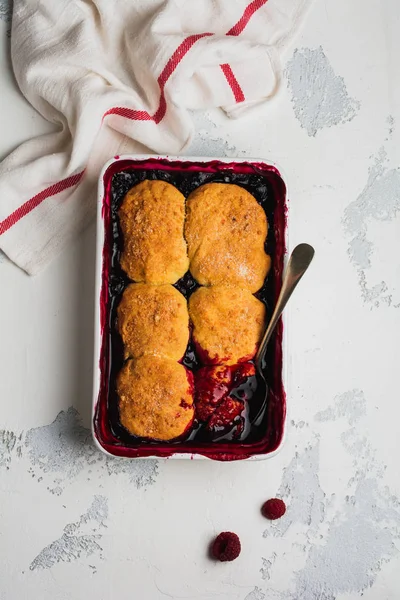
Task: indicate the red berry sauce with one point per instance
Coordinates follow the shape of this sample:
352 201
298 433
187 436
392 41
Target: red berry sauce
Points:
215 406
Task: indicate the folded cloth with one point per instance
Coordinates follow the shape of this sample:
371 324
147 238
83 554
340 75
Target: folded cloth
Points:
117 75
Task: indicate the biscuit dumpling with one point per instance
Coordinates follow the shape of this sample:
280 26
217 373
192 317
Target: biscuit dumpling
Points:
225 230
153 319
151 218
155 398
228 324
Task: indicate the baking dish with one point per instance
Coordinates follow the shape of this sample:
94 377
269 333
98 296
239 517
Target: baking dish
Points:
118 175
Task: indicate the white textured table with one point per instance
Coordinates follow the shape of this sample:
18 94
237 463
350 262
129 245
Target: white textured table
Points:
75 525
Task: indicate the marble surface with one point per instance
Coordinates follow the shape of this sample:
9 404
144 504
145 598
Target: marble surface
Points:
77 525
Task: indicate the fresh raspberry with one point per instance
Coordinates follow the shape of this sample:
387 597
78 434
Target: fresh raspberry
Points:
273 508
226 546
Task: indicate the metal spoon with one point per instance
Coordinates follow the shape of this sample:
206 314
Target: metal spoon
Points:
298 264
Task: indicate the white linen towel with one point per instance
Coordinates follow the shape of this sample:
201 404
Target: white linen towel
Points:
117 74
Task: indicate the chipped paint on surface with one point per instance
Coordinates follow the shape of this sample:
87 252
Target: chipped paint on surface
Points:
5 10
301 490
329 571
351 405
97 512
319 96
369 518
73 544
267 564
64 446
206 142
66 549
139 472
299 424
256 594
378 201
391 124
64 450
8 439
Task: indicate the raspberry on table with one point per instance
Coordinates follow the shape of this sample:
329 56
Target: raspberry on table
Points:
226 546
273 509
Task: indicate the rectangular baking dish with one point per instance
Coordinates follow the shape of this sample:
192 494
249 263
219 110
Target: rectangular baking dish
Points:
104 436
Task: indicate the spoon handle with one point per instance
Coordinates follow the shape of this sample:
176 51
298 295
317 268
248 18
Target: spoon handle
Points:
298 264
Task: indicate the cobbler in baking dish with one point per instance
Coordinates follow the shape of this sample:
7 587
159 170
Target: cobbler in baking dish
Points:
225 229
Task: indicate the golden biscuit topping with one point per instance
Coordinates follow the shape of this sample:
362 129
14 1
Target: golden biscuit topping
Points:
228 323
153 319
152 218
225 230
155 398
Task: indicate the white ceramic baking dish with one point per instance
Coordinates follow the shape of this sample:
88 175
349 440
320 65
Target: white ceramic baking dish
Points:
103 437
